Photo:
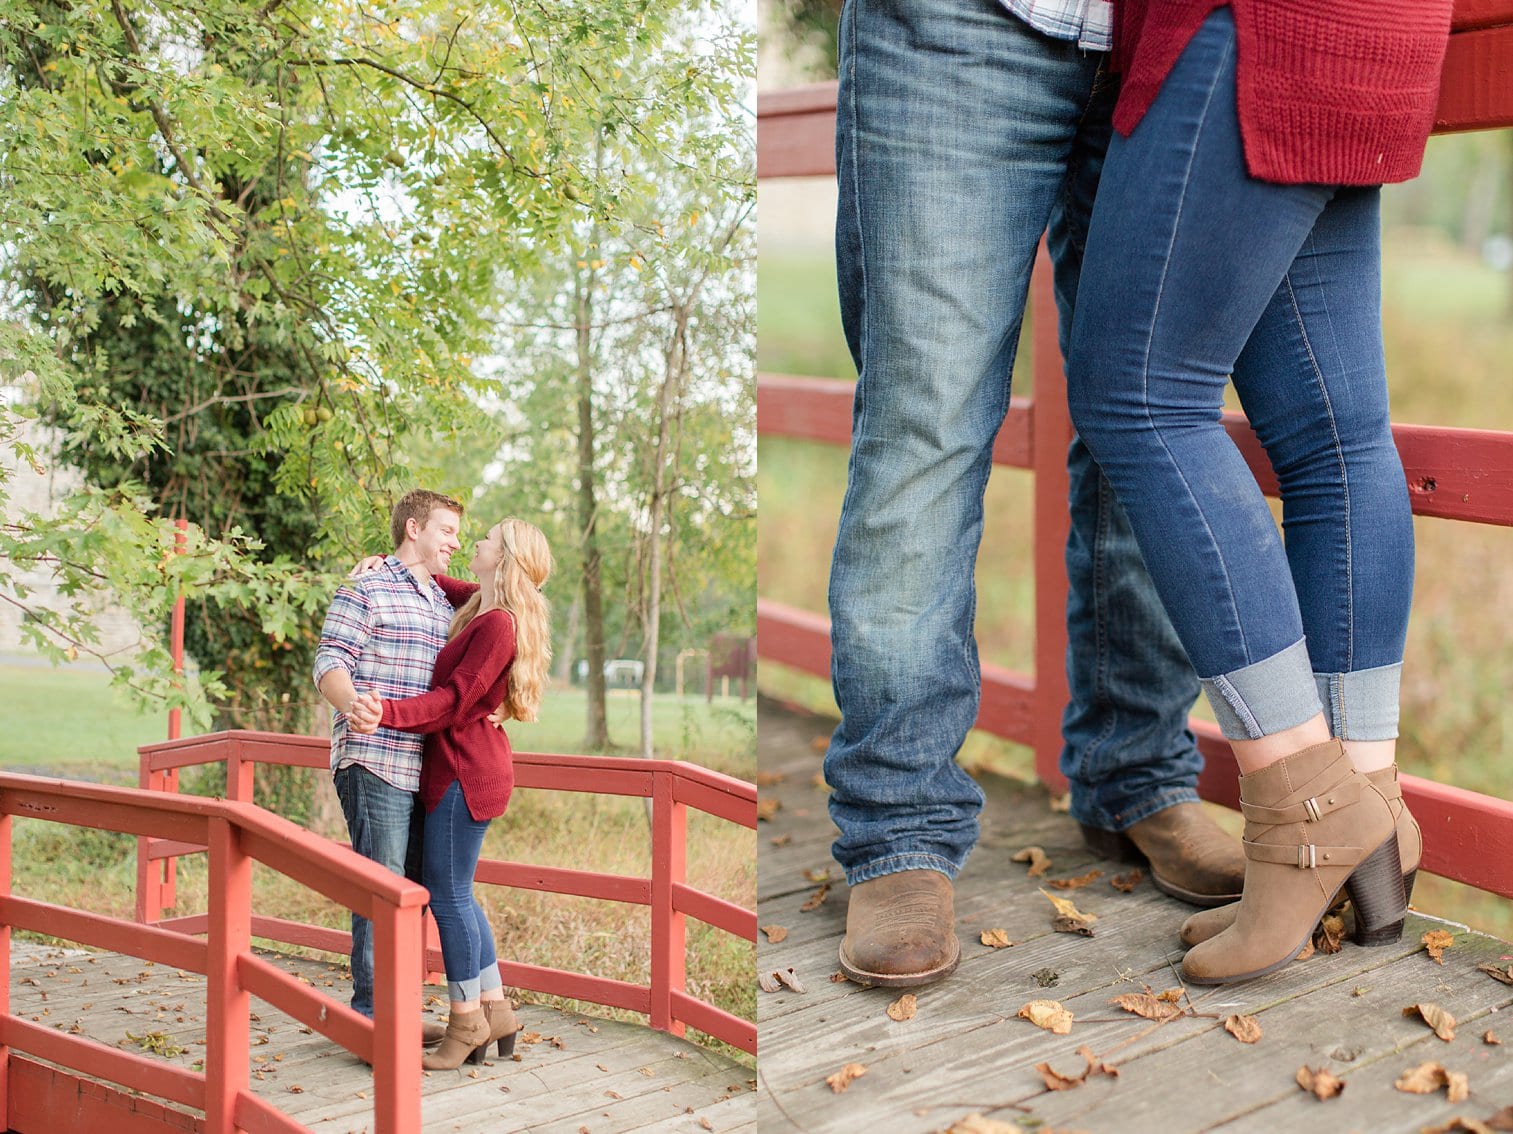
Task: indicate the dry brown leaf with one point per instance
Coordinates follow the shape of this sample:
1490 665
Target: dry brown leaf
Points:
1503 973
1427 1078
1491 1037
1308 950
1127 881
1171 995
1069 919
1461 1124
1035 856
767 808
1055 1081
996 939
1436 1017
1328 934
1076 883
1146 1005
781 840
1502 1120
1061 803
1047 1014
978 1124
845 1076
775 979
816 899
1436 941
903 1008
1246 1029
838 978
818 874
1321 1083
767 779
705 1123
775 933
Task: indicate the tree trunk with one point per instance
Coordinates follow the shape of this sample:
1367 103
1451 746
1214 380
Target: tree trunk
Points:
596 735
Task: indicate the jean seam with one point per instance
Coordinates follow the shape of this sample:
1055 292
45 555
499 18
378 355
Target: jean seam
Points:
1151 335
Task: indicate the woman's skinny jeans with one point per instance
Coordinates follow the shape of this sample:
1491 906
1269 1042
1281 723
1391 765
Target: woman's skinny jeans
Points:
453 840
1195 271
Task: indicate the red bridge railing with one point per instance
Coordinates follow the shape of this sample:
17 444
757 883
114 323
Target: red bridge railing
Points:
1457 474
34 1096
673 787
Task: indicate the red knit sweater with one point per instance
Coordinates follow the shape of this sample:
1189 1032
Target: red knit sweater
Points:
1337 92
469 682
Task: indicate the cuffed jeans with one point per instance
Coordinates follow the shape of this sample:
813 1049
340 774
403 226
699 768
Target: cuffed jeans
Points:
453 841
383 822
961 134
1195 270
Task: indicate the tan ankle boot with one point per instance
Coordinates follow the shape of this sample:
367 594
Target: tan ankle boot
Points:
466 1033
502 1026
900 930
1313 826
1410 849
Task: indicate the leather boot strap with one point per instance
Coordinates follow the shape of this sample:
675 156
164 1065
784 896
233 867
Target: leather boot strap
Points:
1305 856
1311 810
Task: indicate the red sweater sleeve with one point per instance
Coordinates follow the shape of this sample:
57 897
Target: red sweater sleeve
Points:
457 591
490 647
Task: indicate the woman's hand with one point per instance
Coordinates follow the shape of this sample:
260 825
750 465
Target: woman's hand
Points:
371 563
364 713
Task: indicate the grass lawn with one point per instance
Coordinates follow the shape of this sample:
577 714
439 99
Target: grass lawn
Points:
70 722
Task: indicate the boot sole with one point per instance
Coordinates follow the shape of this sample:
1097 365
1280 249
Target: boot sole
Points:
1119 847
900 980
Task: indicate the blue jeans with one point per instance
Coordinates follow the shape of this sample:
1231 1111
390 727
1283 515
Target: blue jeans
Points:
383 822
1196 271
961 134
453 841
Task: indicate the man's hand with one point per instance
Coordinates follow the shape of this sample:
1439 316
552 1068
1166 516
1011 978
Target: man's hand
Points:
364 713
371 563
499 717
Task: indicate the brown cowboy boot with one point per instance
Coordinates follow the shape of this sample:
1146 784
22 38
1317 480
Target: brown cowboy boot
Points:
432 1034
1410 849
899 930
1313 827
1189 855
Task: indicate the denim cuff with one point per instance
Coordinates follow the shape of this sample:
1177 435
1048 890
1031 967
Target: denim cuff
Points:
893 863
464 990
1362 705
489 979
1265 697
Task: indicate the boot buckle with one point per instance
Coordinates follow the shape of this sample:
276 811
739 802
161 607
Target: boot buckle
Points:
1306 858
1311 807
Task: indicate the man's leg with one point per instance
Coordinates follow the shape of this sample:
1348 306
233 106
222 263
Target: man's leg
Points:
954 124
379 817
1130 760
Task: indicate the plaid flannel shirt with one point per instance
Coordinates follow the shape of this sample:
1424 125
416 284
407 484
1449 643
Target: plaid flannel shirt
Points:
385 629
1089 22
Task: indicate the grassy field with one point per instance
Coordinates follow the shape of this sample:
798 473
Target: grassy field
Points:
68 723
1448 341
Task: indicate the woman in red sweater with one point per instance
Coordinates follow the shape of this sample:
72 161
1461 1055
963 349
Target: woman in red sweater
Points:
1236 233
496 657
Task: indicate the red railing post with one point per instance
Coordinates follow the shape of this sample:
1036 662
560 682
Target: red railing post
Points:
669 867
149 880
396 1020
238 772
5 962
227 1004
1051 431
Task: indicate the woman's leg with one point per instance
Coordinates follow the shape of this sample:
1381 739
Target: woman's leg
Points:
453 840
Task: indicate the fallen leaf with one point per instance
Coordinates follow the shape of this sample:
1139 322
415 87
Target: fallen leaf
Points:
1307 951
705 1123
1127 881
1172 995
767 779
845 1076
818 874
775 933
1321 1083
1427 1078
1436 941
1076 883
1246 1029
838 978
781 840
978 1124
767 808
1436 1017
1146 1005
776 979
1069 919
1035 856
903 1008
1047 1014
1062 802
1459 1123
996 939
816 899
1328 934
1502 1120
1055 1081
1497 972
1491 1037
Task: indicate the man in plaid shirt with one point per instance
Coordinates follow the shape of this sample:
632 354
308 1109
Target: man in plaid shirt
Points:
381 635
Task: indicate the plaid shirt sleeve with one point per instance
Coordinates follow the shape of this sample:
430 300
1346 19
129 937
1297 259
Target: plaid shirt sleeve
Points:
345 633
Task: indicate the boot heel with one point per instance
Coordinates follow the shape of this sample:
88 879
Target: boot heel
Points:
1114 845
1376 895
507 1044
1408 880
476 1055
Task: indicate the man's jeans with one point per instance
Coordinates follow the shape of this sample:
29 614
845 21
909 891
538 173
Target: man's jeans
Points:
961 134
1196 271
384 823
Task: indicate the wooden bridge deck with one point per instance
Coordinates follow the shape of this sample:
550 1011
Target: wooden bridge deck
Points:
966 1052
574 1073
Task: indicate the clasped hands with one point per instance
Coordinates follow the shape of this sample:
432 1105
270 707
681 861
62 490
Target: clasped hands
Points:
367 710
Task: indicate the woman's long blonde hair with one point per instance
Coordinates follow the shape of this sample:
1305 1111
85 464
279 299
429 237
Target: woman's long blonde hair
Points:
522 571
